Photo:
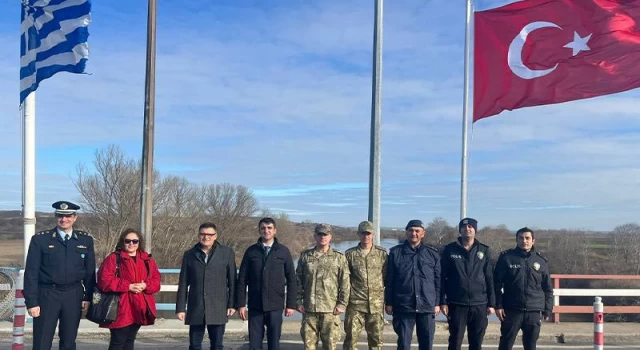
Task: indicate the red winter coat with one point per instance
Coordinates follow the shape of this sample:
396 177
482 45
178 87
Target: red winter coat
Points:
133 307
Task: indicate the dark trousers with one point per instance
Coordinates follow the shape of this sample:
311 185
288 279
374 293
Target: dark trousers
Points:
514 320
473 318
403 324
196 335
123 338
258 320
64 305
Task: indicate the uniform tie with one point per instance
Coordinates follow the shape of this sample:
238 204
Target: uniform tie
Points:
266 250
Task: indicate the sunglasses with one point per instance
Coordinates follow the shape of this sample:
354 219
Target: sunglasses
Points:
208 235
131 241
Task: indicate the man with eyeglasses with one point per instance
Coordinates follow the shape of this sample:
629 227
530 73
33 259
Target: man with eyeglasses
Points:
323 291
59 279
206 288
267 270
367 268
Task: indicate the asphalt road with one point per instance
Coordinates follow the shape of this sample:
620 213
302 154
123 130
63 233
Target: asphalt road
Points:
291 345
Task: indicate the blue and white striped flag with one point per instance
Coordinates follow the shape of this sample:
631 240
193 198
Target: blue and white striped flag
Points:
54 39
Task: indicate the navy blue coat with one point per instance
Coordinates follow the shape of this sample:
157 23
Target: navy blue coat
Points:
267 278
413 280
52 262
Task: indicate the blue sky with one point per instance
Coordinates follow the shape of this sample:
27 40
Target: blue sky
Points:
276 96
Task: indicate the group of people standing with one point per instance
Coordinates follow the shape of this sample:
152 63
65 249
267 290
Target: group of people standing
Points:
413 283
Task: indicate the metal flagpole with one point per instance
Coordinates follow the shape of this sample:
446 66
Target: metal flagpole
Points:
146 195
29 170
466 108
376 108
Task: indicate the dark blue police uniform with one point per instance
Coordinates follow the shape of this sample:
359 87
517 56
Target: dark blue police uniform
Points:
412 287
59 275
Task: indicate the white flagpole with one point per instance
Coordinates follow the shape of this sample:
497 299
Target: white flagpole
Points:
376 119
29 170
467 107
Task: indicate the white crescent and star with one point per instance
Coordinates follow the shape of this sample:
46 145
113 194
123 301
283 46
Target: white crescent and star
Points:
514 57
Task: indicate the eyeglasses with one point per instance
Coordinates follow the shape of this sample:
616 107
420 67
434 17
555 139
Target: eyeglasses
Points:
208 235
131 241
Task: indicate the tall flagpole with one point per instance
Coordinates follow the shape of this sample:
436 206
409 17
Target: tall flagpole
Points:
29 170
466 109
146 196
376 109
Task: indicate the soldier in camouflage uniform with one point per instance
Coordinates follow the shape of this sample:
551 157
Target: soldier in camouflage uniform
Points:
323 291
368 266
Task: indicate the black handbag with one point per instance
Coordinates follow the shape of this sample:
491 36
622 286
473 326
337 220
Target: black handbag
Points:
103 309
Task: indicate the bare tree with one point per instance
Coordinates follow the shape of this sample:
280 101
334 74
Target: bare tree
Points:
439 233
569 250
111 194
498 238
626 240
231 208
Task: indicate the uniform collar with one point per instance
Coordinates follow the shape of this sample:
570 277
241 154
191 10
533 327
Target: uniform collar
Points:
57 232
407 245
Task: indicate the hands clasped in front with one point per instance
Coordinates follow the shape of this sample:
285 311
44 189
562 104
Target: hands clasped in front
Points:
137 287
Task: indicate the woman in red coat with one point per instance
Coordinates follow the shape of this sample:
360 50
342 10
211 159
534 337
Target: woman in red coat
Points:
138 280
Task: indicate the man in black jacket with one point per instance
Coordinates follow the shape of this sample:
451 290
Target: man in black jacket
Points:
266 268
524 295
412 288
467 294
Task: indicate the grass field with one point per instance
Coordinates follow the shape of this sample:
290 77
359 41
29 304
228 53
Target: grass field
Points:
11 252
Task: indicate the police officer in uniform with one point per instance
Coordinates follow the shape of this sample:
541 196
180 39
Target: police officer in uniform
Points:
323 291
524 294
467 293
59 279
367 267
412 288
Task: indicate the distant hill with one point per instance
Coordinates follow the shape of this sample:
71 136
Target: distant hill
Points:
11 226
11 223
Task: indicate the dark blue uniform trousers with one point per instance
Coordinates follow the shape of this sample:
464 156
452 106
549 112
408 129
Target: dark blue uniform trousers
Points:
473 318
258 320
62 303
425 323
514 320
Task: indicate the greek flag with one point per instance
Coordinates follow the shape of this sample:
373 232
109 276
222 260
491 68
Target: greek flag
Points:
54 39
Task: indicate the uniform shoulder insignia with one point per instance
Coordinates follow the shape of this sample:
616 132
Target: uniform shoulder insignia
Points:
380 248
350 250
431 247
337 251
82 233
506 251
542 256
395 247
42 233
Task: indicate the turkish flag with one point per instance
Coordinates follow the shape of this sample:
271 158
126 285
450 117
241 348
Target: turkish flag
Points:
537 52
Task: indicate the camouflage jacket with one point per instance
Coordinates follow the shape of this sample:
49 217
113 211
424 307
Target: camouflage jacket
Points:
323 280
367 278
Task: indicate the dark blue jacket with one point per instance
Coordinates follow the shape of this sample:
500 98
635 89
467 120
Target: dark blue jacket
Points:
267 279
467 276
522 281
52 263
412 283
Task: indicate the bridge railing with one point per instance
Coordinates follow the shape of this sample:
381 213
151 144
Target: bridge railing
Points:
584 292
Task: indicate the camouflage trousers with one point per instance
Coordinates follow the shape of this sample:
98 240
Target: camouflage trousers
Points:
353 324
317 326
